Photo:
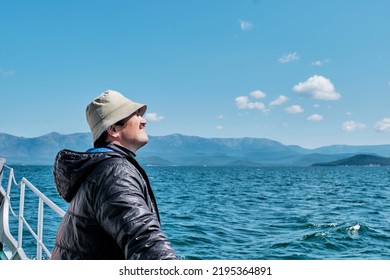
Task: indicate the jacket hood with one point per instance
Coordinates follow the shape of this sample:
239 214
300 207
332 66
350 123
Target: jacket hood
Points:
71 168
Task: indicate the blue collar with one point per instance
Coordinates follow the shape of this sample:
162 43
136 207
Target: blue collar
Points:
99 150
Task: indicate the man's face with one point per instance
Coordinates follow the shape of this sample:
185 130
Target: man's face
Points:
133 133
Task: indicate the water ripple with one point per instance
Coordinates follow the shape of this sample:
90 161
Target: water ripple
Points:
265 213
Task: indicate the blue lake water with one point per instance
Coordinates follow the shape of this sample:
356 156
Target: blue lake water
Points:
303 213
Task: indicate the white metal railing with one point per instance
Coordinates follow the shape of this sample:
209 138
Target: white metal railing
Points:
42 200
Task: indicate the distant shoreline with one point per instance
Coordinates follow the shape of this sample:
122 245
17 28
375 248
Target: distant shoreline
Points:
182 150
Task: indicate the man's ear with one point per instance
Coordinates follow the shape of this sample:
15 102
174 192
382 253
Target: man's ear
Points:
111 130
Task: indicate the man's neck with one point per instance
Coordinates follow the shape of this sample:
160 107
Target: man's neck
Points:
124 149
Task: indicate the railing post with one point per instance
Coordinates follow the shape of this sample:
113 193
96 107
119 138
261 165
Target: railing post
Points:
21 214
40 229
10 180
17 243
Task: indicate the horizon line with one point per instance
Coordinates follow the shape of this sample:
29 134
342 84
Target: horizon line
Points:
203 137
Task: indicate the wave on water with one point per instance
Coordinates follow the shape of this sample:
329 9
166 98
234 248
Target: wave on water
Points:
316 213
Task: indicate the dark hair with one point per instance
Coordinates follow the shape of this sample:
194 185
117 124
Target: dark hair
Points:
102 140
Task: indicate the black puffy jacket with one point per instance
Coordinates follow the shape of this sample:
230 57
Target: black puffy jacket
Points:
112 212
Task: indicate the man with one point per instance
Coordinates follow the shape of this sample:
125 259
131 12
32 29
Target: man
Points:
112 212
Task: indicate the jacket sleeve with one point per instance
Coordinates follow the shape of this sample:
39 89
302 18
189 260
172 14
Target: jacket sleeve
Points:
122 209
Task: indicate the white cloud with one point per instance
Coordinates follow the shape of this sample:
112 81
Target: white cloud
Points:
350 126
315 118
220 127
319 62
220 117
383 125
6 73
245 25
258 94
294 109
289 57
153 117
279 101
317 87
242 102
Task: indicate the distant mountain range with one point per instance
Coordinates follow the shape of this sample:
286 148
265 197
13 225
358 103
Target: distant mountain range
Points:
177 149
358 160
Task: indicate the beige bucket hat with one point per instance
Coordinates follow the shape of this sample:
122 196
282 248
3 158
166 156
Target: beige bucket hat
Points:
109 108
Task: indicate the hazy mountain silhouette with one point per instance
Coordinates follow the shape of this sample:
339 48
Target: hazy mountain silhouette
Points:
177 149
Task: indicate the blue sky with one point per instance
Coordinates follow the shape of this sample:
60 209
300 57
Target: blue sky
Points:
310 73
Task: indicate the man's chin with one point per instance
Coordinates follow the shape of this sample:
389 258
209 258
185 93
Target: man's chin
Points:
145 140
